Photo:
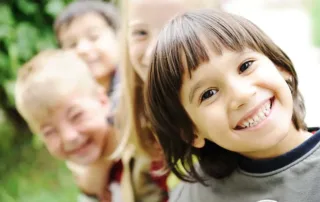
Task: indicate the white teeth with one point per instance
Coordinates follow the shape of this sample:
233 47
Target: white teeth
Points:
267 106
261 114
258 117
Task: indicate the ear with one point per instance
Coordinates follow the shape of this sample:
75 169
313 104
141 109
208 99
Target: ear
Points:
198 141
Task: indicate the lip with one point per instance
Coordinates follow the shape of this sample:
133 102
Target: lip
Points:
80 149
92 62
254 111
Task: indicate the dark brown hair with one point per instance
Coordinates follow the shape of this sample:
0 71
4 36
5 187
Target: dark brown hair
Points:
107 10
181 48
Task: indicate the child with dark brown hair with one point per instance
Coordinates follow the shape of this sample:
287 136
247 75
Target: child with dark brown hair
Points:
223 100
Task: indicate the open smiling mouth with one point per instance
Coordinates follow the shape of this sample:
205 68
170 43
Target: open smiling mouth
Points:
81 148
258 117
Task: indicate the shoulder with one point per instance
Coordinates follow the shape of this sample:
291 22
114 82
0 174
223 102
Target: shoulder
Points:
188 192
89 179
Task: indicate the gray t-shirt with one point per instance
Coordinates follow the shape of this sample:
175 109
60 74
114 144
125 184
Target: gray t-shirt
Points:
292 177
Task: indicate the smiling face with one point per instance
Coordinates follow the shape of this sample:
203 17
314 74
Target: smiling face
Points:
219 86
90 36
146 19
77 130
239 100
63 103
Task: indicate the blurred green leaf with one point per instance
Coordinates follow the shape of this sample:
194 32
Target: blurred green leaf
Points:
5 196
46 41
13 57
37 143
9 90
54 7
27 36
4 63
6 132
5 31
27 7
6 15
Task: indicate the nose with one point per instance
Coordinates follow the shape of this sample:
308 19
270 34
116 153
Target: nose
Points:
70 138
240 91
149 52
84 48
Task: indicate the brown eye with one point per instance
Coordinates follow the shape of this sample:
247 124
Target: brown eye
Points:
245 66
69 45
77 116
93 37
139 34
49 133
207 94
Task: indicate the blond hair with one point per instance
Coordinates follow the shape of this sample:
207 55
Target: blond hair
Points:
132 115
48 77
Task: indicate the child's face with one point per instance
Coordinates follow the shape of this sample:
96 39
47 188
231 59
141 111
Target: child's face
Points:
76 129
239 100
146 18
94 41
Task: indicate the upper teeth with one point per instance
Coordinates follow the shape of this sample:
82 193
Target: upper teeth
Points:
258 117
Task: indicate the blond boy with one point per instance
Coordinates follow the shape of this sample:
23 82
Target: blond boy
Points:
63 104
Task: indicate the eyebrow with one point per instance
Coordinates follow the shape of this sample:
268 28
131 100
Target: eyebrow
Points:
44 126
93 28
198 85
194 89
86 31
137 23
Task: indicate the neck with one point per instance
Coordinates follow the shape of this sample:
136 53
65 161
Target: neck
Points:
100 175
292 140
102 167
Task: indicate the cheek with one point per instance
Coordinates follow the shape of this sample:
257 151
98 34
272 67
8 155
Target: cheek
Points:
55 149
95 126
212 121
92 126
274 81
108 47
136 52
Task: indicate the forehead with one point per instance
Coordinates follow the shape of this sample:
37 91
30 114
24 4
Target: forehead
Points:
154 13
219 65
82 24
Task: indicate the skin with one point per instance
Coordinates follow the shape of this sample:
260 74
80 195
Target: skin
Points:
146 19
223 92
95 42
77 131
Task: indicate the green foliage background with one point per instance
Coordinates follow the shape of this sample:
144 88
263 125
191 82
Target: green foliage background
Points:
27 172
25 29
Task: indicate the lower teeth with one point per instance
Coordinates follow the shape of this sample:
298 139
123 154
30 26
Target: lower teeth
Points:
266 113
